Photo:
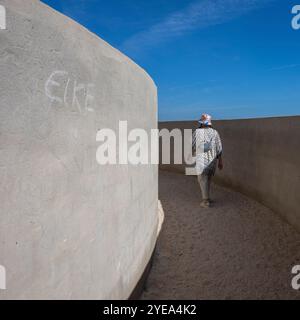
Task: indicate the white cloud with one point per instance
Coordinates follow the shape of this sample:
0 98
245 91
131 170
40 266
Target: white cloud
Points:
288 66
198 15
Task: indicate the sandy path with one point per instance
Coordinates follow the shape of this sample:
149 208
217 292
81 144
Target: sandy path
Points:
236 250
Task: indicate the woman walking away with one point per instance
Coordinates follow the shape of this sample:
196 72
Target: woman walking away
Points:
208 147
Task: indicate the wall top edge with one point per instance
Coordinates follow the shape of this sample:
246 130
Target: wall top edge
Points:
241 119
89 33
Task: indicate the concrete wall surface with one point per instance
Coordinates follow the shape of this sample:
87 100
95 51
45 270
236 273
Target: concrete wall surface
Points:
70 228
261 160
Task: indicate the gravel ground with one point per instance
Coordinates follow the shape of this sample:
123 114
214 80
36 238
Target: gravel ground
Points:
238 249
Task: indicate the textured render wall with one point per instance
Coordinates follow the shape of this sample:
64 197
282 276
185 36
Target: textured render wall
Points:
70 228
261 159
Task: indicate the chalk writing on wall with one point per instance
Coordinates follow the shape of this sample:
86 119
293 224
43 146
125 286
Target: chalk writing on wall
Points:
63 91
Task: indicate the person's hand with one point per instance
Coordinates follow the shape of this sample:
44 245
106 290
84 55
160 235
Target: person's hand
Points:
220 165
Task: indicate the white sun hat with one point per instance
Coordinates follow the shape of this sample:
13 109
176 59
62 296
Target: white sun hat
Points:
205 119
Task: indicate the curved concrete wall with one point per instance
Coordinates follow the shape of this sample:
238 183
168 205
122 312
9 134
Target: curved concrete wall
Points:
70 228
261 159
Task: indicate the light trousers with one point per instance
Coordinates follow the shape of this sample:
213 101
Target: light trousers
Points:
204 180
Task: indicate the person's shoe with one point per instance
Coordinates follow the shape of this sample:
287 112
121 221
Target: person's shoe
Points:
205 204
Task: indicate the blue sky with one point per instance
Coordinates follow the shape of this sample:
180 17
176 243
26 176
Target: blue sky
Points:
230 58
